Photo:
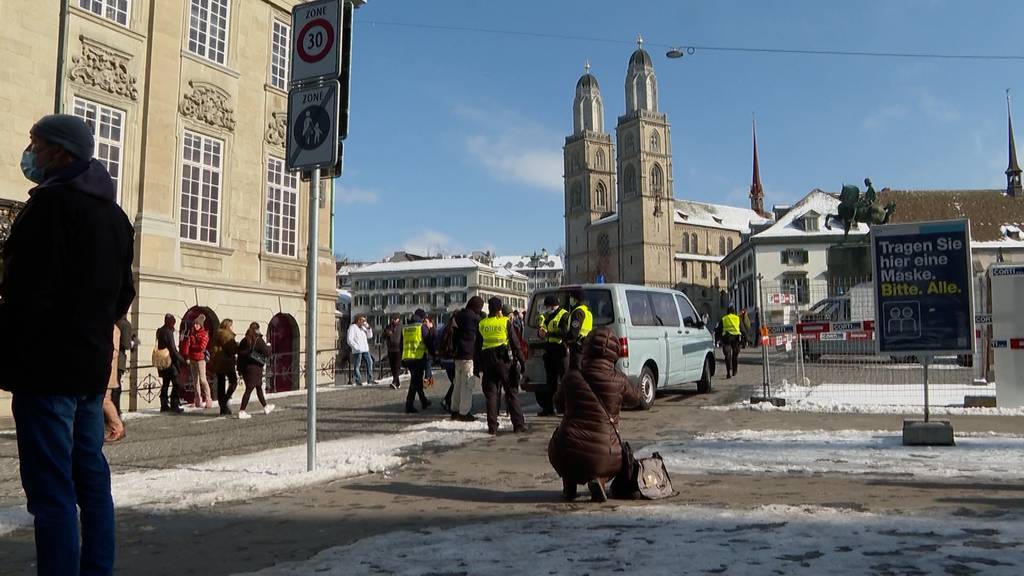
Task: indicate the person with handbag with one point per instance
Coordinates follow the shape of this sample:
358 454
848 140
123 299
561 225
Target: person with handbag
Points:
253 354
168 362
586 447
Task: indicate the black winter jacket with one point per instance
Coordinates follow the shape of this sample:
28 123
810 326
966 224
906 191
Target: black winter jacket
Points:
467 332
67 267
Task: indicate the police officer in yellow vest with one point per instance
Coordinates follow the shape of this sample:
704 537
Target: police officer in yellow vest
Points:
417 350
499 347
555 354
731 337
578 326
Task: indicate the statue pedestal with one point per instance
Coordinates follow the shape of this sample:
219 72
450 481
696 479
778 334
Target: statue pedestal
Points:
848 264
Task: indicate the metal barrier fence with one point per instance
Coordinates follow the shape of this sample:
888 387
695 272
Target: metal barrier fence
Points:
283 372
820 346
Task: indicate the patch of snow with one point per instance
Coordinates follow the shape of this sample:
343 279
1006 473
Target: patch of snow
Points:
14 518
717 216
522 263
985 456
664 539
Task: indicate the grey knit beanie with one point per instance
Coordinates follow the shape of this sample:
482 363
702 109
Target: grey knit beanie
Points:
69 132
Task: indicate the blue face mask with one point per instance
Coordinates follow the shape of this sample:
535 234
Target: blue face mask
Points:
29 168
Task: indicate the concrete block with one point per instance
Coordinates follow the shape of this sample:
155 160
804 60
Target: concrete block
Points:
979 401
777 402
933 433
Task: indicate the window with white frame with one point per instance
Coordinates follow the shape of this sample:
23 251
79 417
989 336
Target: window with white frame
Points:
108 133
208 29
113 10
282 209
200 187
279 46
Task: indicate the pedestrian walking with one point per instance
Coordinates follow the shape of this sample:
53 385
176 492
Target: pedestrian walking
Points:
168 361
580 323
730 338
127 342
556 356
67 263
417 348
498 349
465 335
196 343
359 337
392 336
443 336
586 447
744 328
113 424
253 353
223 360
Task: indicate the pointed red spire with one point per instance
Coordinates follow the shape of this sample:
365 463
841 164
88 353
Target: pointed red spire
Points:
756 190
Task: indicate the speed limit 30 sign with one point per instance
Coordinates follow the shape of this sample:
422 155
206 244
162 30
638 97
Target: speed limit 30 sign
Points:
316 36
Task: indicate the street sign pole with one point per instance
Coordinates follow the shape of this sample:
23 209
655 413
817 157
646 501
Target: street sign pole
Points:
926 360
311 288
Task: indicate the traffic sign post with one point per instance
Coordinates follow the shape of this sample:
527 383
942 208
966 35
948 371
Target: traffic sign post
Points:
313 143
923 303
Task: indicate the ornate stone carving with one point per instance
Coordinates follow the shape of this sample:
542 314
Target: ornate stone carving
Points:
104 68
208 104
277 129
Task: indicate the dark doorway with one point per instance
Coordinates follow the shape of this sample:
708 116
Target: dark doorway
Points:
283 338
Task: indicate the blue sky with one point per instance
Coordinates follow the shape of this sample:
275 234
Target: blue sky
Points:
456 136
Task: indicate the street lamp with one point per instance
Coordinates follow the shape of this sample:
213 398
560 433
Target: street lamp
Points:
536 260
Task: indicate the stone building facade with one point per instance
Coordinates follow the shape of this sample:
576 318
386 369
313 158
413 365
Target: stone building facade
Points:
622 221
188 101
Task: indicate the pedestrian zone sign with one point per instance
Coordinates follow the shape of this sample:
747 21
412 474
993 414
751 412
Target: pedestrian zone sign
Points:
316 40
923 303
313 126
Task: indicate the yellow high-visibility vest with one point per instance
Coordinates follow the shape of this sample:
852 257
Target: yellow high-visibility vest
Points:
588 321
552 325
413 346
731 325
494 331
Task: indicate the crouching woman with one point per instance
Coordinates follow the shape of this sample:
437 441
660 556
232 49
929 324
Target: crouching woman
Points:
586 448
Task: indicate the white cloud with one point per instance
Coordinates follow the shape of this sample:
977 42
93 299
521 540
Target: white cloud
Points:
347 195
512 148
430 242
937 108
883 116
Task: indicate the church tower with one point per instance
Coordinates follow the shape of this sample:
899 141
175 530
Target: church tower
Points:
589 179
1013 171
756 189
646 199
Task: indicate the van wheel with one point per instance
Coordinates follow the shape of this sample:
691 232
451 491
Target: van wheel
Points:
704 384
648 386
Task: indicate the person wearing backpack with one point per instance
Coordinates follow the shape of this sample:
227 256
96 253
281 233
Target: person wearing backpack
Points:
465 334
586 447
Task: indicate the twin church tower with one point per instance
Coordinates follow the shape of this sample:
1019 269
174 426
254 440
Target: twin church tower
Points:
622 221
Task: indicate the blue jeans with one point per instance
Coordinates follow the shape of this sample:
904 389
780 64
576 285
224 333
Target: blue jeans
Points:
60 444
357 360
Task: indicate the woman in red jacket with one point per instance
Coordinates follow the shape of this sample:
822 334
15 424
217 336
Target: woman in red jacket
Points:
195 351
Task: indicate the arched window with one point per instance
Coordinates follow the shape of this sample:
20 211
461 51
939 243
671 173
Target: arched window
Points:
629 181
655 141
630 143
704 270
602 195
686 243
693 243
576 198
730 244
657 180
599 159
721 246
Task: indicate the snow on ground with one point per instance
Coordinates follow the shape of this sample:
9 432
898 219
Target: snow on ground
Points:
241 477
986 456
673 540
876 399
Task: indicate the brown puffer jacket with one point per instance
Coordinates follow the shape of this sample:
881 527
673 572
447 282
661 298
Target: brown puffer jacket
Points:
223 350
585 446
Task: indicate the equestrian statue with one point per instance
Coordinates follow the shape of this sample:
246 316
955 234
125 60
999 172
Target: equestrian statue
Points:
854 208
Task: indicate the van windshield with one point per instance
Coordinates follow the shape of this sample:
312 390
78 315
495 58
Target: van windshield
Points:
599 300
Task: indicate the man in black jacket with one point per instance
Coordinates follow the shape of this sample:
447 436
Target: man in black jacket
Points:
169 376
467 332
67 264
393 338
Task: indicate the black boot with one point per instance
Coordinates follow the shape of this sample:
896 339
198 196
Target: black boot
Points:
597 493
568 490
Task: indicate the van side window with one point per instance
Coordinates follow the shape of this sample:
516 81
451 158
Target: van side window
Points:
686 310
665 313
640 312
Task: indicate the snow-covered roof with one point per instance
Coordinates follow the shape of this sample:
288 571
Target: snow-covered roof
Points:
522 263
716 216
345 269
699 257
509 273
422 266
816 204
613 217
1011 237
